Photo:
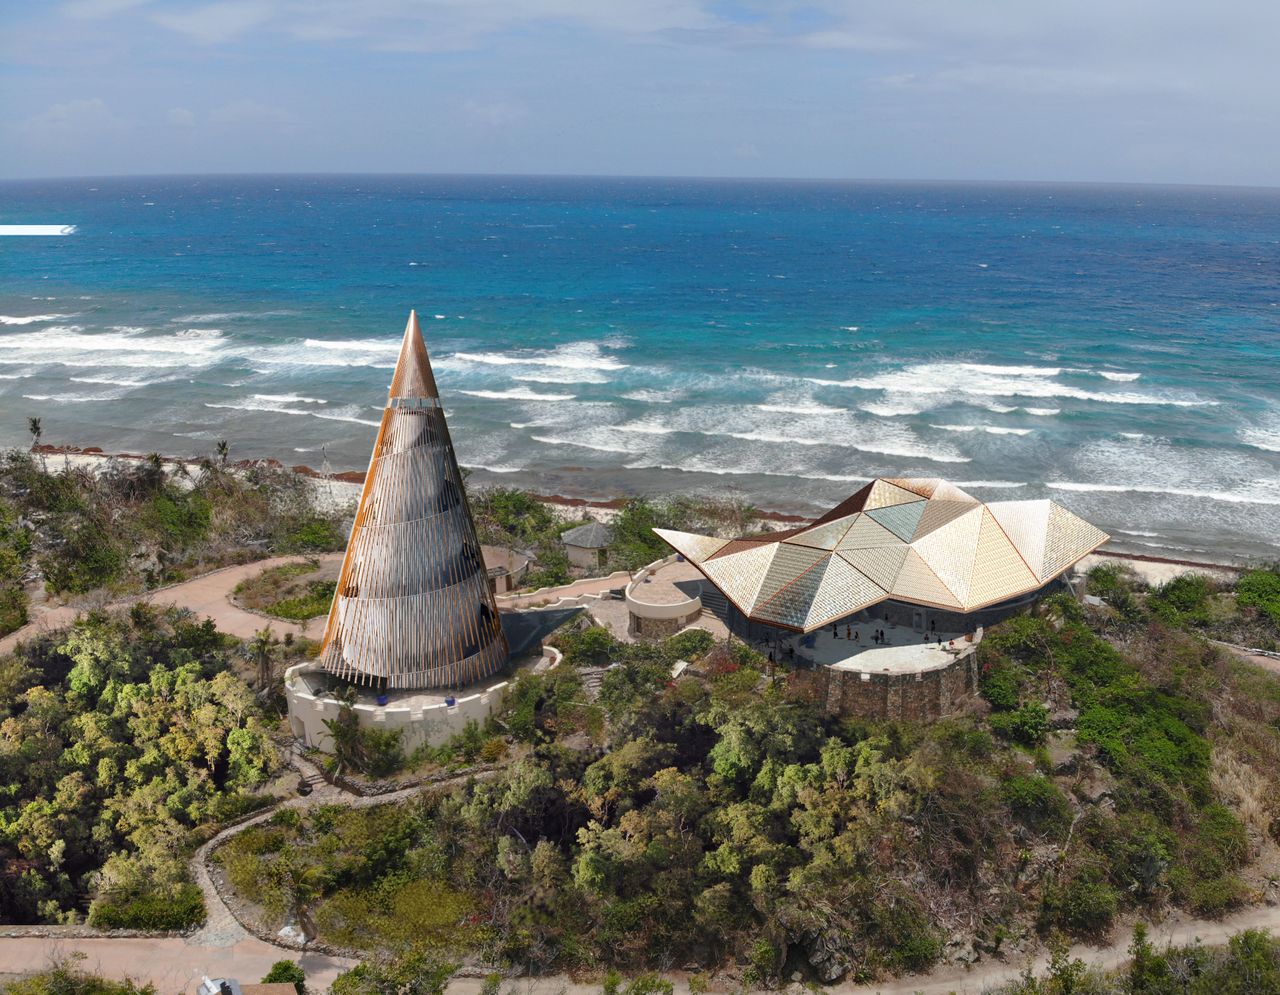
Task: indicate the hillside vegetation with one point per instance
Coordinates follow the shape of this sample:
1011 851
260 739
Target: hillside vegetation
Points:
119 738
134 525
723 819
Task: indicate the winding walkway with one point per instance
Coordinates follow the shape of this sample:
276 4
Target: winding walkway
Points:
208 594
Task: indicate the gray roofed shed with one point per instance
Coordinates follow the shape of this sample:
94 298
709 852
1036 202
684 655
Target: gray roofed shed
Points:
593 535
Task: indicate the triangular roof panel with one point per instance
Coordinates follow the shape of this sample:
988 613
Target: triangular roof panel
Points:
919 540
843 591
825 536
693 547
1026 523
950 550
880 563
999 572
917 582
900 519
740 574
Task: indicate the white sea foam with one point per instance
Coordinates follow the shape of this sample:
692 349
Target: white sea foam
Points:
644 428
517 394
802 408
574 356
562 376
70 345
116 381
266 403
1258 496
1265 434
990 484
925 381
1042 412
30 319
866 446
649 396
990 429
1120 377
109 395
599 447
201 319
286 398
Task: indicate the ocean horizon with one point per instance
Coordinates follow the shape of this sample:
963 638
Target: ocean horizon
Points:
1116 348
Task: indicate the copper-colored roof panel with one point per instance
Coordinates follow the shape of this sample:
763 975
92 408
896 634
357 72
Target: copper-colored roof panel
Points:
884 494
924 486
901 519
825 536
950 549
999 572
1068 539
790 605
1026 523
693 547
937 513
788 563
740 574
880 563
843 591
917 582
867 533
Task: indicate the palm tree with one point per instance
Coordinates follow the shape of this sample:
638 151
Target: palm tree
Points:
36 430
261 650
223 449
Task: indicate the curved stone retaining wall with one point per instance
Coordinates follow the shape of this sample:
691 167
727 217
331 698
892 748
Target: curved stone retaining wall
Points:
657 621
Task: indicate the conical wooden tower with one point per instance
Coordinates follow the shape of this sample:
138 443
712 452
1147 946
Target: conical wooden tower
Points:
413 607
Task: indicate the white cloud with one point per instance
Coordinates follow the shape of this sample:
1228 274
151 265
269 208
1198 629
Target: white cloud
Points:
251 114
219 22
180 117
73 116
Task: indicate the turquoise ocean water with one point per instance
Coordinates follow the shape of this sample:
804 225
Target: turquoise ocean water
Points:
1115 348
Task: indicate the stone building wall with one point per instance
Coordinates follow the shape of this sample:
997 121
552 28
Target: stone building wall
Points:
639 627
925 696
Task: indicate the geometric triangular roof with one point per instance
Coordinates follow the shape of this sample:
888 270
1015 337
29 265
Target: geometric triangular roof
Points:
919 540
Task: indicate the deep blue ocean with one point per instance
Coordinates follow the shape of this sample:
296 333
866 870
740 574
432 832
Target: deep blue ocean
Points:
1115 348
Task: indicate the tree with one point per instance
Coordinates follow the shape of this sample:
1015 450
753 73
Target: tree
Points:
261 650
223 451
36 430
288 972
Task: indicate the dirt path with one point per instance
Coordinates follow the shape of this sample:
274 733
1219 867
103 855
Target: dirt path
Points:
208 594
176 964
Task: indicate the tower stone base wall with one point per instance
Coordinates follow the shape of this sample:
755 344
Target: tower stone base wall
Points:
923 696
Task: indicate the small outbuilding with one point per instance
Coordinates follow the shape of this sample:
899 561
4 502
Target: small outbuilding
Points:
506 568
587 545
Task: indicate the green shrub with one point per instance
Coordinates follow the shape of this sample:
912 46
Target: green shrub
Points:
287 972
1085 905
1037 801
691 645
1185 599
1001 685
310 605
180 909
1261 589
312 535
1028 725
179 519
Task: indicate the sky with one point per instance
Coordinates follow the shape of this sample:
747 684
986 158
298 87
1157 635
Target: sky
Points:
1165 91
